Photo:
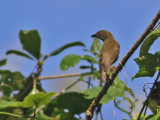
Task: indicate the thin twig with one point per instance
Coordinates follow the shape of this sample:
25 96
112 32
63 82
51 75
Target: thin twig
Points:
113 99
60 76
129 91
147 100
95 102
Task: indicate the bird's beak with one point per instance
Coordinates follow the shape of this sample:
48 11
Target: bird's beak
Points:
94 35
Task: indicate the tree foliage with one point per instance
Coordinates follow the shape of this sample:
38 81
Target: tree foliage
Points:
23 97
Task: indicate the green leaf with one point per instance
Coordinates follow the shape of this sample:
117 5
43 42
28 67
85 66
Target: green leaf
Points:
118 89
11 81
148 65
149 41
4 104
31 42
37 99
72 60
62 115
19 53
69 61
75 102
41 116
63 48
3 62
153 117
96 46
90 59
85 67
147 117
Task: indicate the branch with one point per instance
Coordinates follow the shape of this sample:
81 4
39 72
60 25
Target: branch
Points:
95 102
147 100
60 76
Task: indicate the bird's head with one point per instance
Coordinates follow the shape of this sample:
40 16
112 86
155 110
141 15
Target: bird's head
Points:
102 35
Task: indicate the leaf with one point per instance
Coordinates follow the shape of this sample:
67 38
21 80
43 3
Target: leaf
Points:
62 115
63 48
96 46
69 61
148 65
4 104
117 90
153 117
31 42
85 67
75 102
149 41
90 59
147 117
3 62
37 99
19 53
41 116
10 81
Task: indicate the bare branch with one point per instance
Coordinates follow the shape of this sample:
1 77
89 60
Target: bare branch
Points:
95 102
60 76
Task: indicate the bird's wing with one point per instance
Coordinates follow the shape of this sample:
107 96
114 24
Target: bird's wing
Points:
110 55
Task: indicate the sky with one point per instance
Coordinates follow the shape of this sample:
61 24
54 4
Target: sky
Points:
62 21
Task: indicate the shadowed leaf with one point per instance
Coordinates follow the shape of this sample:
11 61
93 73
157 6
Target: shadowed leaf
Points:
37 100
3 62
75 102
19 53
63 48
31 42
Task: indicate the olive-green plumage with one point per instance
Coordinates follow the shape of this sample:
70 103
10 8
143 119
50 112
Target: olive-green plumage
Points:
109 52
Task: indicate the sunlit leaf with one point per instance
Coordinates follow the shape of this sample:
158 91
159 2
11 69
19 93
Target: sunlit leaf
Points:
69 61
37 99
31 42
89 58
19 53
149 41
4 104
96 46
118 89
148 65
57 51
85 67
146 117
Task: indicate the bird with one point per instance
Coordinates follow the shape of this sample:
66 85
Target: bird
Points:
108 54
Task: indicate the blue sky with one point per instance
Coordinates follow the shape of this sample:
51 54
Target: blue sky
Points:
63 21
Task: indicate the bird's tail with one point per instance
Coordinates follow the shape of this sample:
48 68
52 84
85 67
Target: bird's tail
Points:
103 76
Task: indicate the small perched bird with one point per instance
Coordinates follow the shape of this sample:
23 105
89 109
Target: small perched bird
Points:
109 52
